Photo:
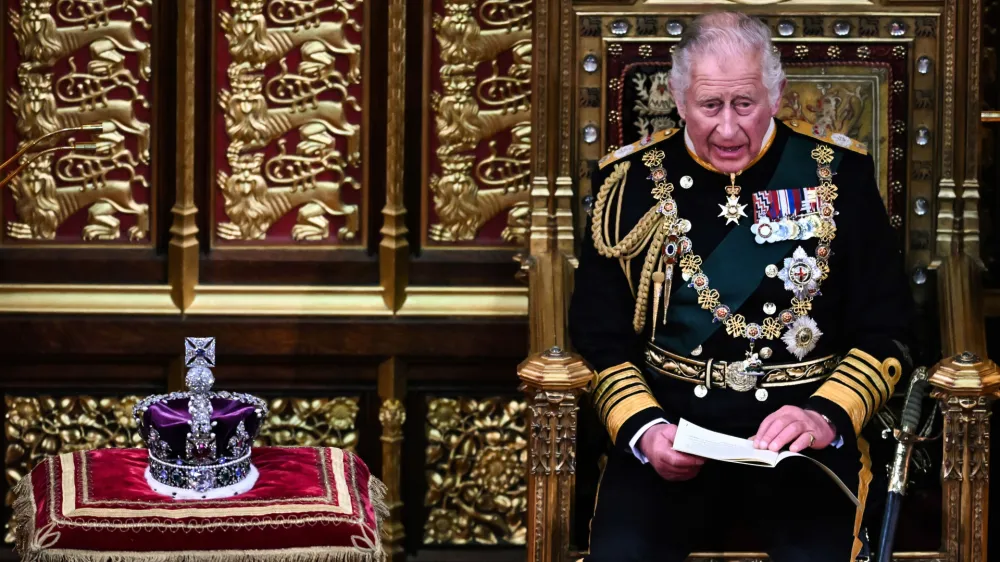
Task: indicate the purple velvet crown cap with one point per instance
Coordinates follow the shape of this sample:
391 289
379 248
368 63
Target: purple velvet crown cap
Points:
172 420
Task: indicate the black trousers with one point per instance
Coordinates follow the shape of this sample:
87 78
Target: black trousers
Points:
793 512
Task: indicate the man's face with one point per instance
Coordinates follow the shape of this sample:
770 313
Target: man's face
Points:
727 110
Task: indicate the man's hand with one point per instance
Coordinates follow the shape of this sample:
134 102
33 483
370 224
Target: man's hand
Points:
790 424
657 443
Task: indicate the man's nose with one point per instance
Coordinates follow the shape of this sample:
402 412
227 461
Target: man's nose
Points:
727 128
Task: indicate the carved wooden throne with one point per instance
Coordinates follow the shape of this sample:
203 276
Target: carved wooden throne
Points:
873 75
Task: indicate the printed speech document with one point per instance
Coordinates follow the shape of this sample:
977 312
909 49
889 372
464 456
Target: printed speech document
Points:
698 441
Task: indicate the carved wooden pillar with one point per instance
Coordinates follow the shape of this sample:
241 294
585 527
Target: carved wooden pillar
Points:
966 386
553 379
392 415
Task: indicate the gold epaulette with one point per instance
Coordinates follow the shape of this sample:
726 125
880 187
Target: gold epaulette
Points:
645 141
838 139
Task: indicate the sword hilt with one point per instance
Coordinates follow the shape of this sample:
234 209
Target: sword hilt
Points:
909 423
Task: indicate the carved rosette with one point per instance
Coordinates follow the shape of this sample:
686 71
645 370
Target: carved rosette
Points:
75 63
480 109
311 422
44 426
476 452
288 128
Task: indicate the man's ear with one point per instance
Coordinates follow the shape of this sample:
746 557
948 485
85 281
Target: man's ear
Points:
781 94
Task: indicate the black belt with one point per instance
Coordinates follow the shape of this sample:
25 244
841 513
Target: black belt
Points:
730 375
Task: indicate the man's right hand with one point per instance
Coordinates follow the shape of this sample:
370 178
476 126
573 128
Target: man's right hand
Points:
657 443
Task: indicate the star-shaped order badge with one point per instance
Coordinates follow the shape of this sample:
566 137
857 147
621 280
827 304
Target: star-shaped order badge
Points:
763 230
801 337
732 209
801 274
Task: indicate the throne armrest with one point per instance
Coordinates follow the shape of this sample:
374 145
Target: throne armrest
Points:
552 381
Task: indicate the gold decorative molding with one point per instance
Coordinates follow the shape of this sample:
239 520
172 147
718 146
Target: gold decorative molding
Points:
465 301
267 103
947 239
183 250
111 83
481 132
475 456
87 299
37 427
394 247
277 300
973 105
311 422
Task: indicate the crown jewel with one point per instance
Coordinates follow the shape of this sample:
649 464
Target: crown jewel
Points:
199 440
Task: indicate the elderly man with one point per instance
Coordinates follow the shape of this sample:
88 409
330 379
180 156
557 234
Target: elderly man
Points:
739 273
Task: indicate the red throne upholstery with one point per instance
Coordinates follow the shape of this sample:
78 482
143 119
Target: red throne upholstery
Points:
309 503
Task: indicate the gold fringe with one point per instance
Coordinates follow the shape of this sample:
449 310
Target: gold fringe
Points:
24 532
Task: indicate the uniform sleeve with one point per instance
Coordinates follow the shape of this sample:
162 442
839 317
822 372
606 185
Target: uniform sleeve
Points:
600 325
876 327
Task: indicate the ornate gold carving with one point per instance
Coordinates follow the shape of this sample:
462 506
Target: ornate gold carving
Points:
475 457
106 89
392 415
311 422
44 426
314 99
394 248
471 189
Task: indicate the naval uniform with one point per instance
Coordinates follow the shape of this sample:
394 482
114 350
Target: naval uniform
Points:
718 299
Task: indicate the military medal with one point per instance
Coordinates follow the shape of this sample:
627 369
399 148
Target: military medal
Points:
732 210
687 182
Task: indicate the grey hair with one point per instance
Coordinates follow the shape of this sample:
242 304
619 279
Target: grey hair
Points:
726 33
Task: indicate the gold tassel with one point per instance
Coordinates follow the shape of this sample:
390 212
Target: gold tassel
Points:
657 287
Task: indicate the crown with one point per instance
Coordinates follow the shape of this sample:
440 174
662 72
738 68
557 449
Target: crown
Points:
199 441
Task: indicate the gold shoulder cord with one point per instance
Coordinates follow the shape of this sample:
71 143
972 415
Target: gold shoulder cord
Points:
633 243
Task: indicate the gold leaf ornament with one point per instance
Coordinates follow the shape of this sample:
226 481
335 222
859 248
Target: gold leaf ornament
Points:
708 299
653 158
736 325
823 154
771 328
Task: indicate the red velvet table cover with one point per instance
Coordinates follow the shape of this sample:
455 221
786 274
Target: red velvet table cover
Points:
309 503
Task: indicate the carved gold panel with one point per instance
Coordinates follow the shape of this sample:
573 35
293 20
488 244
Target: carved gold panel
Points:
871 76
291 98
476 454
67 64
477 134
311 422
37 427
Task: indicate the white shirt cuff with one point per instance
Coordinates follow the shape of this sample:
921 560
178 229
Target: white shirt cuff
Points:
638 434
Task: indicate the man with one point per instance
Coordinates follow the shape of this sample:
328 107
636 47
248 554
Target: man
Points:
739 273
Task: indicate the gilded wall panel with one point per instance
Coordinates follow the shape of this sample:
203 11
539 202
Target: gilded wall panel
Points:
68 64
871 77
37 427
311 422
476 454
289 123
477 135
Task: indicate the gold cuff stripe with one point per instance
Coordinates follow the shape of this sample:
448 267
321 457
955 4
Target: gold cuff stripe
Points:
847 398
869 381
619 393
863 391
870 370
612 381
627 408
602 403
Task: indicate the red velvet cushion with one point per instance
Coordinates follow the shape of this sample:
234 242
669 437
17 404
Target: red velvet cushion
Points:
308 504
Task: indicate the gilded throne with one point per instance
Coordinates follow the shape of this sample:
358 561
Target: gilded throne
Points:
870 76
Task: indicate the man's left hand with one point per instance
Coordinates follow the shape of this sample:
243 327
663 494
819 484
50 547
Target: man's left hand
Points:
801 428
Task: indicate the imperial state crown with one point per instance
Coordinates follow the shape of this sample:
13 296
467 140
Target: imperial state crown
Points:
200 441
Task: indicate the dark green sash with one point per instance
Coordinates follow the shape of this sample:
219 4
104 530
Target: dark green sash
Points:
736 266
